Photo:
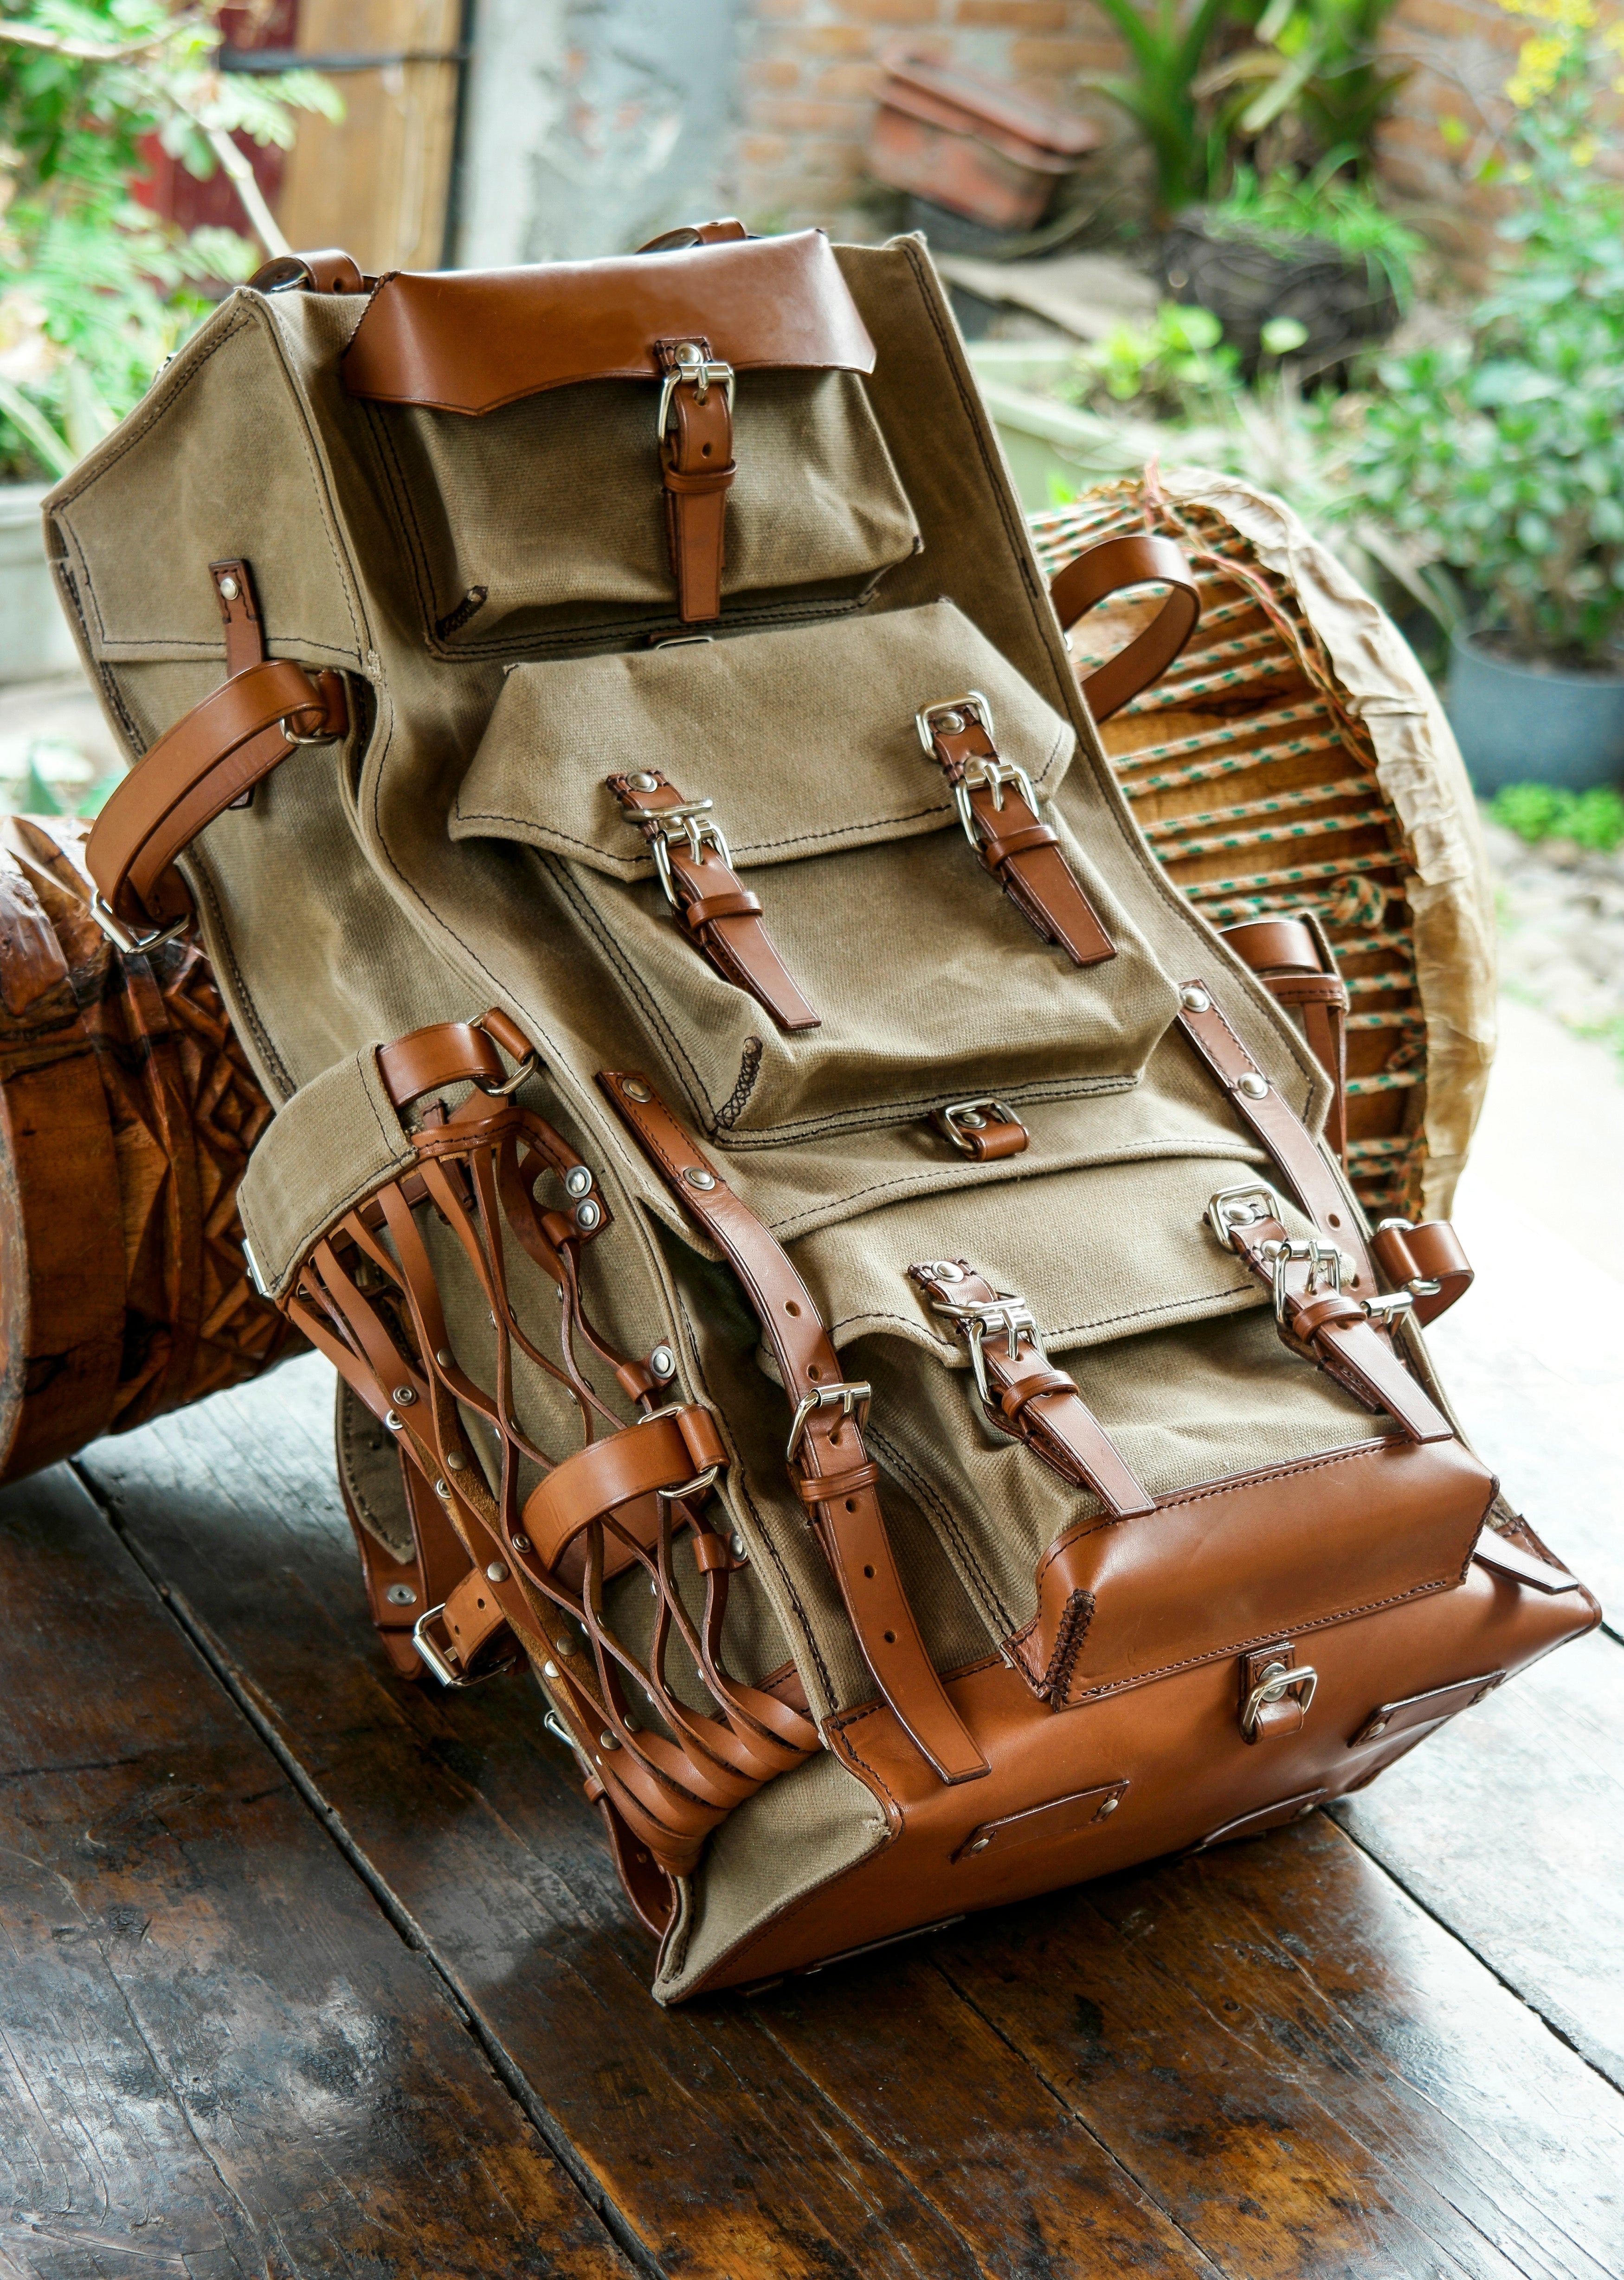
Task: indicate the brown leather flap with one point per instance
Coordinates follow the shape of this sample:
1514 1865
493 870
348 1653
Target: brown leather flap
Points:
469 339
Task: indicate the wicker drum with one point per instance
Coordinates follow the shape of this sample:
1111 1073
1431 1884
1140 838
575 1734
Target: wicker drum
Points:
1295 757
127 1115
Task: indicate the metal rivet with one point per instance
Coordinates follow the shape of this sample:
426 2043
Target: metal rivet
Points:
550 1671
564 1645
608 1741
698 1177
1252 1085
522 1543
403 1396
1303 1811
392 1421
401 1595
577 1180
442 1489
1380 1727
634 1089
952 722
978 1845
587 1215
737 1544
1194 1001
645 781
229 586
497 1571
442 1355
663 1362
457 1462
1110 1805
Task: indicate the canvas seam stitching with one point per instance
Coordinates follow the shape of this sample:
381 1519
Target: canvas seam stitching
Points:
927 1492
595 923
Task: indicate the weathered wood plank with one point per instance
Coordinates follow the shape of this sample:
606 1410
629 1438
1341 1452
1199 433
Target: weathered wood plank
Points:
1059 2096
218 2058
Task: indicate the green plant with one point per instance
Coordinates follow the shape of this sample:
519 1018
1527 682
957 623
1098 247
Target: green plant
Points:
1317 71
1592 820
1175 367
1322 203
1167 42
1501 456
95 291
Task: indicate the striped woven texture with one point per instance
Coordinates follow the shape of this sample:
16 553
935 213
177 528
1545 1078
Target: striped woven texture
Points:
1257 789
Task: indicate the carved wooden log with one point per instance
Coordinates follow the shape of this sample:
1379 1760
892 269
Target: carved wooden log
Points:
127 1111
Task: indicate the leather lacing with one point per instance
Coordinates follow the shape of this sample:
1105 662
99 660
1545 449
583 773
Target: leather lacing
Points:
367 1296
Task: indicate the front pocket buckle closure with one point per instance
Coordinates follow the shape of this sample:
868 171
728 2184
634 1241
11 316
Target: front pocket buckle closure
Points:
691 821
1248 1204
983 771
1008 1315
960 1117
690 363
1274 1682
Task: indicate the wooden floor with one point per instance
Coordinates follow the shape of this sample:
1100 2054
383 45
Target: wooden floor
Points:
304 1971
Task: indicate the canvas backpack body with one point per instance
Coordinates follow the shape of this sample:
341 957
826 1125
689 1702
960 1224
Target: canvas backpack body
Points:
828 1258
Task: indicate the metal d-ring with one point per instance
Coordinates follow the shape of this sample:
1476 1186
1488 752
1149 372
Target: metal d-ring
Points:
121 937
323 736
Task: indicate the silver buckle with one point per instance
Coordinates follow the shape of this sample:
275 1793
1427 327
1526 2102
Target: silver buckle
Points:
1246 1205
1277 1681
133 945
704 1480
983 772
1006 1313
1419 1286
690 821
526 1067
852 1397
1322 1258
962 1116
436 1663
322 736
972 703
693 365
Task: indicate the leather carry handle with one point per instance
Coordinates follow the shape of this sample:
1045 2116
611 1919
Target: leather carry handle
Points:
1105 569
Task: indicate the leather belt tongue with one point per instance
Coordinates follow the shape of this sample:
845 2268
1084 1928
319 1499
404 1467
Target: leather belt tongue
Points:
720 915
827 1459
998 810
1024 1395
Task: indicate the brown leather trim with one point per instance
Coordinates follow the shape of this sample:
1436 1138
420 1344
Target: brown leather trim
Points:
471 340
723 920
697 471
1105 569
1430 1253
1293 959
849 1524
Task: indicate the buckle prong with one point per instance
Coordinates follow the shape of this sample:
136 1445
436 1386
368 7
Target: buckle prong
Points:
853 1398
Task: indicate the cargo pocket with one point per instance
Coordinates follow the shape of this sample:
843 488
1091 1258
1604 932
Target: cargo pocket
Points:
926 983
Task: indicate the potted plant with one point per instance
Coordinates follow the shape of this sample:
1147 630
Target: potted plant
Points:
1500 456
95 291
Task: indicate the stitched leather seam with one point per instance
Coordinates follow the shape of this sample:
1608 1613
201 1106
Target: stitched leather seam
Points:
1069 1635
750 1069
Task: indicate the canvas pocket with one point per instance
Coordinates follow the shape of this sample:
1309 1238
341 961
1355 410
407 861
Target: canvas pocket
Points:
928 984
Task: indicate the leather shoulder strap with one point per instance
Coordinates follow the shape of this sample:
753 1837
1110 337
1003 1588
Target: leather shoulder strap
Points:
1105 569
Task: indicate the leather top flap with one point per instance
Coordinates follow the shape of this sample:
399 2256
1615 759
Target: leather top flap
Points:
470 339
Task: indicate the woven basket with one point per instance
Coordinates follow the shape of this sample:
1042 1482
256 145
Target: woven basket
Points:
1296 759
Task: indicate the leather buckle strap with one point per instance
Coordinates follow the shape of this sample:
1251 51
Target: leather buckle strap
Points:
1425 1262
1020 1392
1105 569
1293 959
697 469
209 761
997 808
830 1466
719 914
985 1130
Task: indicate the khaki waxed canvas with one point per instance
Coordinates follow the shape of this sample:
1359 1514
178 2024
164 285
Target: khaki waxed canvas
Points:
460 850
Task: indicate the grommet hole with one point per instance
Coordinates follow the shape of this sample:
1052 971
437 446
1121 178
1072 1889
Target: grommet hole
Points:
869 1573
792 1308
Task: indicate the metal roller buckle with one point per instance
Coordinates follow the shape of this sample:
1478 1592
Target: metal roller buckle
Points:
692 822
1247 1205
1006 1314
435 1660
852 1397
1277 1681
704 372
962 1116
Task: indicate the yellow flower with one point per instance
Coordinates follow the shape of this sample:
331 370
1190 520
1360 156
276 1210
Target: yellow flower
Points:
1569 16
1538 62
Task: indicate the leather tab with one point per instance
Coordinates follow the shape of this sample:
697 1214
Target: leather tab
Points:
1414 1258
1021 851
1293 959
1105 569
827 1447
723 920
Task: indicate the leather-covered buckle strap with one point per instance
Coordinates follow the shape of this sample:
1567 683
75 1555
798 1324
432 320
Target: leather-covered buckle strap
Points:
1020 1392
720 915
828 1464
696 469
985 1130
998 809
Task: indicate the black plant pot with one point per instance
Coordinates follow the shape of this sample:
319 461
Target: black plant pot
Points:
1246 282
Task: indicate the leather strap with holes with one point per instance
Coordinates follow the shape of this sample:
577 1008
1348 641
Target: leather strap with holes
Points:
696 469
719 912
1330 1325
1021 851
1296 965
1035 1402
206 763
1105 570
831 1469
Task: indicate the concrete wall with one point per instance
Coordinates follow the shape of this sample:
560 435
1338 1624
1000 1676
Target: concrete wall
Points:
594 124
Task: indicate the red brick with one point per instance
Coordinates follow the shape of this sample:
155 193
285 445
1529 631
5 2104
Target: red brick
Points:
1015 15
834 40
861 83
1043 57
773 71
891 11
763 149
796 114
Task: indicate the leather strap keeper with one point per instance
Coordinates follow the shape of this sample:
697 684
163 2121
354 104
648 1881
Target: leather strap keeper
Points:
1107 568
1413 1256
1295 963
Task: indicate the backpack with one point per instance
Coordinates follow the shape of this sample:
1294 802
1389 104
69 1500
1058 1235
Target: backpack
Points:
830 1260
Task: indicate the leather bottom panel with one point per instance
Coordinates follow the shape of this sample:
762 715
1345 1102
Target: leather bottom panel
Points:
1172 1755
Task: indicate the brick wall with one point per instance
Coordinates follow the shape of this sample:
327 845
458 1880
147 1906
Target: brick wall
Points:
812 68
